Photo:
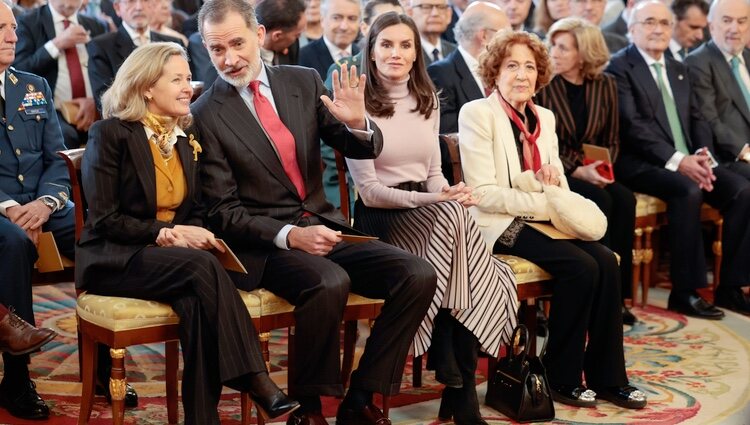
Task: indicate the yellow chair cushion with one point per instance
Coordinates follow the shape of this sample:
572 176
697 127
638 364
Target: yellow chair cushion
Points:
525 270
121 314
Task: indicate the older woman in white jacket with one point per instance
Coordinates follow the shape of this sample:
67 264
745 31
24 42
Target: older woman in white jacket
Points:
502 136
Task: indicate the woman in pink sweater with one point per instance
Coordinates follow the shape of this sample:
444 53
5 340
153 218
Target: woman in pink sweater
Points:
406 201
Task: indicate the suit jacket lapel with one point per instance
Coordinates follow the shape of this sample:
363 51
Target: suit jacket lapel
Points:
124 44
468 83
509 143
188 168
15 90
47 24
139 148
642 76
559 98
724 69
240 121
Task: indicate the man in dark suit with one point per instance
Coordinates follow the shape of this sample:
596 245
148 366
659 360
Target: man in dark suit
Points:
432 18
666 146
689 28
456 76
34 197
200 63
284 21
108 51
260 129
340 20
52 43
518 12
593 11
720 75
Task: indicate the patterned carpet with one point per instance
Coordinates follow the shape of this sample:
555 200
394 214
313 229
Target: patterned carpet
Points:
694 371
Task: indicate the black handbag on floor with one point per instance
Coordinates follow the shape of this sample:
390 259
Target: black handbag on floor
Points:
519 389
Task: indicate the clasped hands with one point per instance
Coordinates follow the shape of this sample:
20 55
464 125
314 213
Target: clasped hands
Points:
187 237
460 193
697 167
30 217
348 104
548 175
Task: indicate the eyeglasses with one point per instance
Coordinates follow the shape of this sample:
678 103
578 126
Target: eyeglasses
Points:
132 2
430 7
652 23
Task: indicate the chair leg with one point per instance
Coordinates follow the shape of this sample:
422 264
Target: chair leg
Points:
648 256
117 383
263 337
172 352
637 259
87 356
350 343
717 249
246 407
386 404
416 371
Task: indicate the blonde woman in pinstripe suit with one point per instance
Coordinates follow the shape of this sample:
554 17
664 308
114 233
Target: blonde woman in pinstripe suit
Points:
584 101
144 238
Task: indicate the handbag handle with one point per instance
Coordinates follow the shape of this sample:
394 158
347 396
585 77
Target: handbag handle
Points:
519 343
544 343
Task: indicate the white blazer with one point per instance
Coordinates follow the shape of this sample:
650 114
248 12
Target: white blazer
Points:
490 163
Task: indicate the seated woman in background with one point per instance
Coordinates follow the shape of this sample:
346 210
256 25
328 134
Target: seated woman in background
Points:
144 238
584 101
547 13
406 201
501 136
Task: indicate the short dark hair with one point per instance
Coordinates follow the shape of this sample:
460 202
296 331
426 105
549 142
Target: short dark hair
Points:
680 7
215 11
279 14
370 8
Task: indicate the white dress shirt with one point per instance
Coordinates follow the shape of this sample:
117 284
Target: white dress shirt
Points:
63 90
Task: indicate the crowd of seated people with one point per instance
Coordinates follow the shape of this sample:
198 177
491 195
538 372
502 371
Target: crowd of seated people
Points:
664 88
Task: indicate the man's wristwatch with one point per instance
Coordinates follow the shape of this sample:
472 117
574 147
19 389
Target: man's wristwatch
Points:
49 202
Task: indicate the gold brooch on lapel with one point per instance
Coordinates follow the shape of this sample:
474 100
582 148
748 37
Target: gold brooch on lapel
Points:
196 146
13 78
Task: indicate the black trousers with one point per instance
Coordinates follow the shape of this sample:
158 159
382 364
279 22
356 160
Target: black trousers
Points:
319 287
219 342
731 195
617 203
585 302
17 257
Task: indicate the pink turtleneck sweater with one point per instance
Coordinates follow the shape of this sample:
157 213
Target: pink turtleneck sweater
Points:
410 153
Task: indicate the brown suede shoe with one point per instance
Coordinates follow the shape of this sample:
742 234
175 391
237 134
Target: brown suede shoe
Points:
18 337
369 415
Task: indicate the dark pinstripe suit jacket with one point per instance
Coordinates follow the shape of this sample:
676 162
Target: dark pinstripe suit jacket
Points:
248 194
603 121
119 183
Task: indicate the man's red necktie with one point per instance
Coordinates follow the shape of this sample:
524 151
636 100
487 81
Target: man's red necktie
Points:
77 85
281 137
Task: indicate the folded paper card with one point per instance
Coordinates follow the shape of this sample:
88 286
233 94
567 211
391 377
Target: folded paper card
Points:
49 256
228 259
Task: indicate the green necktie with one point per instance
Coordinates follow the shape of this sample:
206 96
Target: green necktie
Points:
735 61
672 116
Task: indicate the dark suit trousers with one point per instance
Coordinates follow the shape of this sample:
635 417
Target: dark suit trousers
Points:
617 203
585 302
684 200
319 287
17 257
71 135
219 342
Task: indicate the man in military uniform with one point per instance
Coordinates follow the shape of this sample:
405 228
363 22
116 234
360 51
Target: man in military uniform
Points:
34 192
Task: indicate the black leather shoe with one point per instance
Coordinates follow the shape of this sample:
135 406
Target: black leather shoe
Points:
368 415
307 418
270 400
732 298
131 397
23 402
445 413
626 396
628 318
691 304
579 396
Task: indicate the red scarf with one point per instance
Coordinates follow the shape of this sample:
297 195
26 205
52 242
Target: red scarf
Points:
532 160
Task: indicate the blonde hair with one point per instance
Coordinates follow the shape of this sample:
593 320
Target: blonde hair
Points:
590 42
125 99
499 48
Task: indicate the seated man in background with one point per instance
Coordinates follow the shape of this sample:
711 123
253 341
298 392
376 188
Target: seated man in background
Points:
666 146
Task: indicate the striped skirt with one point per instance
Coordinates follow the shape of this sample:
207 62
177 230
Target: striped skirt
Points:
479 289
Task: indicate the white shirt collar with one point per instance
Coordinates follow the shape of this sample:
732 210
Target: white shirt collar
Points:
262 77
649 60
267 56
470 60
675 48
429 47
334 50
729 56
56 17
134 35
2 82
